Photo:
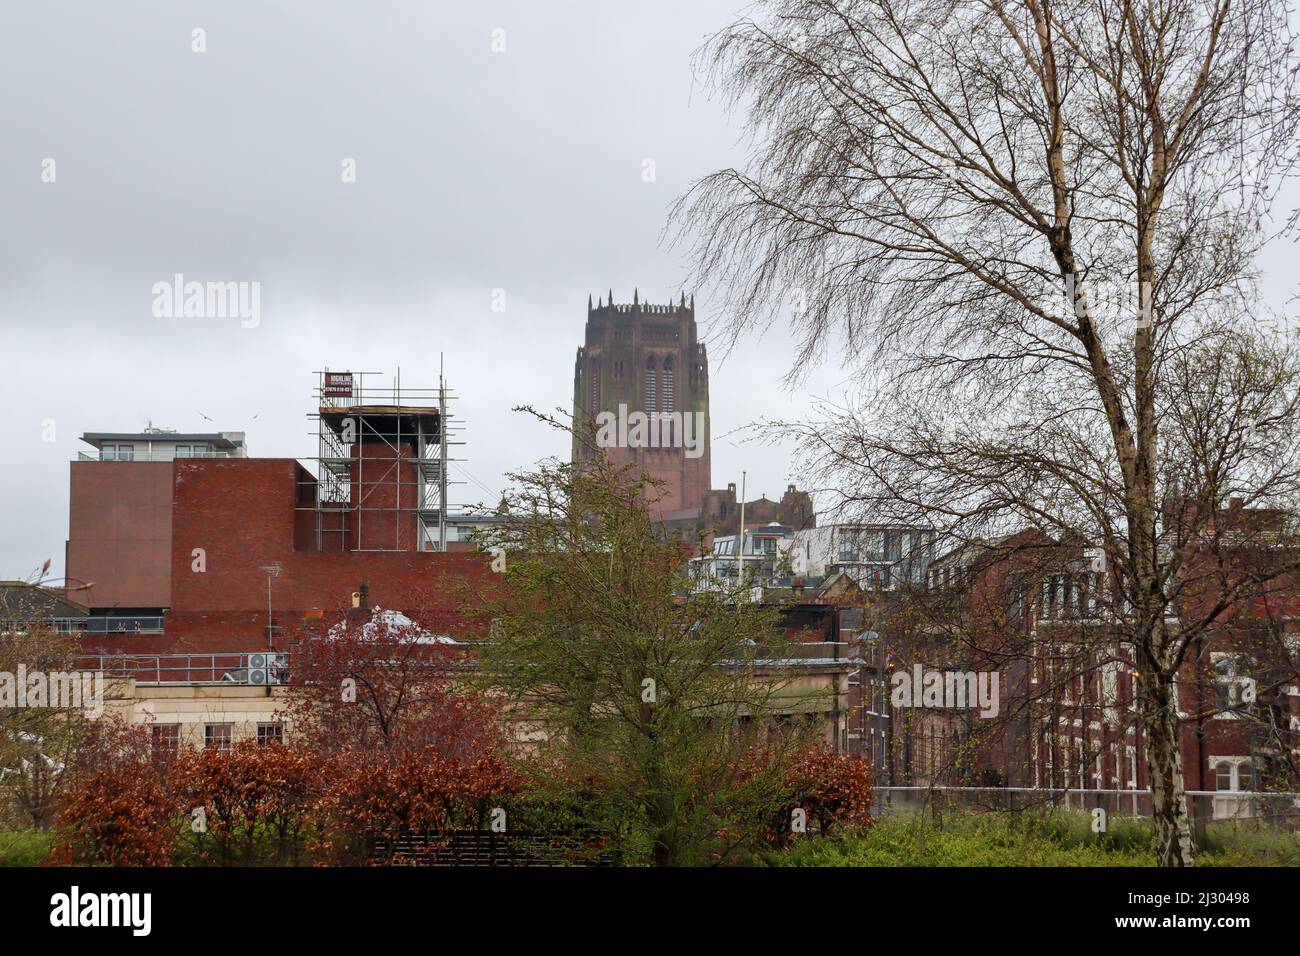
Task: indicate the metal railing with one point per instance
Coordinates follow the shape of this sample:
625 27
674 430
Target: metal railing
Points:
1272 810
232 667
112 624
160 455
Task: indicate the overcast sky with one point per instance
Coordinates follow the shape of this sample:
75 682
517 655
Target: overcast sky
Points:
476 170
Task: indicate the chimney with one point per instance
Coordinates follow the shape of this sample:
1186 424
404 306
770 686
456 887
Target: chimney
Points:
798 587
360 602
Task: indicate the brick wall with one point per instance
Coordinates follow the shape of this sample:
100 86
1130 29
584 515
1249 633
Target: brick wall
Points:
241 513
119 533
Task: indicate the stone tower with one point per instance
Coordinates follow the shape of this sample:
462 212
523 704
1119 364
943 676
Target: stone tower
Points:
646 358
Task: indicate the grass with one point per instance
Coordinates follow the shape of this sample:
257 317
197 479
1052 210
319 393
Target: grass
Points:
24 847
1045 838
1231 844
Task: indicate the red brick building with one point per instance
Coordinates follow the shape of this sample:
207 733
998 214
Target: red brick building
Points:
233 554
1040 613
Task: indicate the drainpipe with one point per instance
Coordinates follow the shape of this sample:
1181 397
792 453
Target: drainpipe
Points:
1198 803
740 538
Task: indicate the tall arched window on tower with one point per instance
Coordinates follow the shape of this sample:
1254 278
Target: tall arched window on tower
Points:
667 396
593 375
667 399
651 392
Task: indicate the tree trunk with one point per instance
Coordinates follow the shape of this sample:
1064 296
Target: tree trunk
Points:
1174 845
663 856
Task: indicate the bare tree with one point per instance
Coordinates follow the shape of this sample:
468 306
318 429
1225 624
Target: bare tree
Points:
1033 223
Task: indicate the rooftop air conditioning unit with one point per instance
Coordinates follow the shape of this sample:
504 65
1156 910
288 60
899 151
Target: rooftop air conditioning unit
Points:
267 668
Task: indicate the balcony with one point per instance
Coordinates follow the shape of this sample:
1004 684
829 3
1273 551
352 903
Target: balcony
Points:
110 624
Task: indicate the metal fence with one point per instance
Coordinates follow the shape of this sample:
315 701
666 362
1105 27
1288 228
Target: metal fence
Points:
113 624
1279 811
221 668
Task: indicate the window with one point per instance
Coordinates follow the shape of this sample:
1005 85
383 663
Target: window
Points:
873 575
1233 774
1087 590
666 397
848 545
126 453
1223 674
1232 686
651 386
200 451
911 544
873 546
270 733
1051 595
217 735
1067 595
1018 596
166 738
182 451
108 453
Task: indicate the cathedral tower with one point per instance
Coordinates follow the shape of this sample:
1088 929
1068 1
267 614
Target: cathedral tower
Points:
646 358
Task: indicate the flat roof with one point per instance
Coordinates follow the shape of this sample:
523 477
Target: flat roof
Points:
215 438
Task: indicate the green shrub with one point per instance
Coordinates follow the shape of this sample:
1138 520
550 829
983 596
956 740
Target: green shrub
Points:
24 847
1045 837
1235 844
965 840
1073 828
902 842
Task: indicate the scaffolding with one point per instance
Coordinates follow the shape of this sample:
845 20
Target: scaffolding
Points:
382 460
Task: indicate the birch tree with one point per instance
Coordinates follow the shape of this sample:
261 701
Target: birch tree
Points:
1032 224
